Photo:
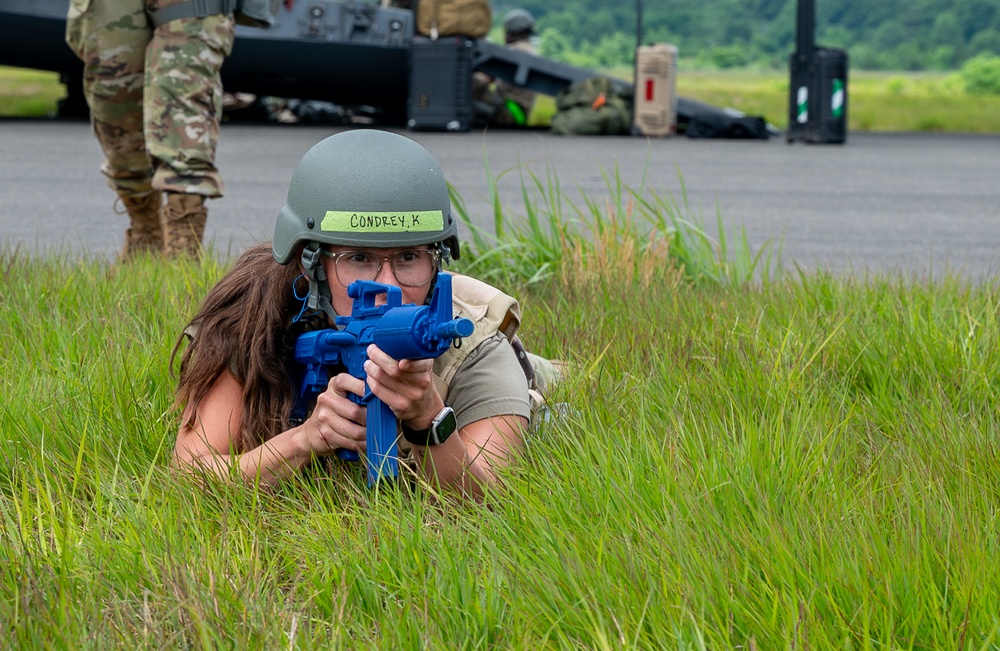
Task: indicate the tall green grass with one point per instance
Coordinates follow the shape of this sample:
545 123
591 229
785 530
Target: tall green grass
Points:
633 232
806 462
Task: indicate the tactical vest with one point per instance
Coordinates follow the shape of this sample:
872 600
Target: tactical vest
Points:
491 311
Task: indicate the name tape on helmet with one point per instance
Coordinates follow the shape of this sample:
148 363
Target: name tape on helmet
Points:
338 221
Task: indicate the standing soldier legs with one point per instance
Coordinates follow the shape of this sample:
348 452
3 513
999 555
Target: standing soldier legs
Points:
184 217
155 96
183 107
111 38
145 233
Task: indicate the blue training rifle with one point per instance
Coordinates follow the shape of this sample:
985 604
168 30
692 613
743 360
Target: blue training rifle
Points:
402 332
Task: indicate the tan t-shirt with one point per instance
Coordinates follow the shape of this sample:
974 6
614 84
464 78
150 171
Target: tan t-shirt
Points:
490 382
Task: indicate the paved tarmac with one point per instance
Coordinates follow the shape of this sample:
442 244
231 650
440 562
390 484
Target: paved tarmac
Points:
920 204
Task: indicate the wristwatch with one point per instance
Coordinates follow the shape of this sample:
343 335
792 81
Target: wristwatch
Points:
443 426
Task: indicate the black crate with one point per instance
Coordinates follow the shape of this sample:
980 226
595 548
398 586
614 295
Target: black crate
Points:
440 96
817 97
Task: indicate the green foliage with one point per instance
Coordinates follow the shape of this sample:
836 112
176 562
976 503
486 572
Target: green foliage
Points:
556 46
982 75
728 56
887 35
985 43
942 58
28 93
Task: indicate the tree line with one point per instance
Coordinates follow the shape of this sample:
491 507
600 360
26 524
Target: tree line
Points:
882 35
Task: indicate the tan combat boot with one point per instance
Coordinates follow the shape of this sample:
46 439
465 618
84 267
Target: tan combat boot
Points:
144 234
184 217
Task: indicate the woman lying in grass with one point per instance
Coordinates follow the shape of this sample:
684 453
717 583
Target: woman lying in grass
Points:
363 205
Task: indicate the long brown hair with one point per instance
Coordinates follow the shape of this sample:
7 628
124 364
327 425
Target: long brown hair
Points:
244 326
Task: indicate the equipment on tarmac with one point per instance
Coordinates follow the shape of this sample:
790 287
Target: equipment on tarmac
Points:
593 107
817 95
440 84
472 18
348 52
656 86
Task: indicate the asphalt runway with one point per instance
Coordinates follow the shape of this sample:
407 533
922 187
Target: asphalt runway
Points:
918 204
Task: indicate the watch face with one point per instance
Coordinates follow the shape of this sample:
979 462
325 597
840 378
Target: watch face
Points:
445 426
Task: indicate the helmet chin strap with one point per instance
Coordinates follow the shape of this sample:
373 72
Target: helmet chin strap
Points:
319 285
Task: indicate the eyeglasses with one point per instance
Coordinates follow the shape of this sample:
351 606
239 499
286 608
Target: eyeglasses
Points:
411 267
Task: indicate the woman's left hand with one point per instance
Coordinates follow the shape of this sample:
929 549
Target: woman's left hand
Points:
407 386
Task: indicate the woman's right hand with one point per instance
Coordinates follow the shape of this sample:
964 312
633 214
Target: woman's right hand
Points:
336 421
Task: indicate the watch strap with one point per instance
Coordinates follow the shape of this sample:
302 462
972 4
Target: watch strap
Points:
442 427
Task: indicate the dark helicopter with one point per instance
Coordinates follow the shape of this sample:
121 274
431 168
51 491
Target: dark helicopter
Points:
345 52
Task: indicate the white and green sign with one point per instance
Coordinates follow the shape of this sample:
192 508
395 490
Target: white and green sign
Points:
802 105
837 101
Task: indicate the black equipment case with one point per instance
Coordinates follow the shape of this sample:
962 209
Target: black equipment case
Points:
440 84
817 98
817 94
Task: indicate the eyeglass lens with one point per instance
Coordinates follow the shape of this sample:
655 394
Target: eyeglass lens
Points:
411 267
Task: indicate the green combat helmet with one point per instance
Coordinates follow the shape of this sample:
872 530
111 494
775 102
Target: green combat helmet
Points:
519 21
364 188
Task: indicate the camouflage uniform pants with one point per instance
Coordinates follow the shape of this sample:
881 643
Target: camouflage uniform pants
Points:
155 95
